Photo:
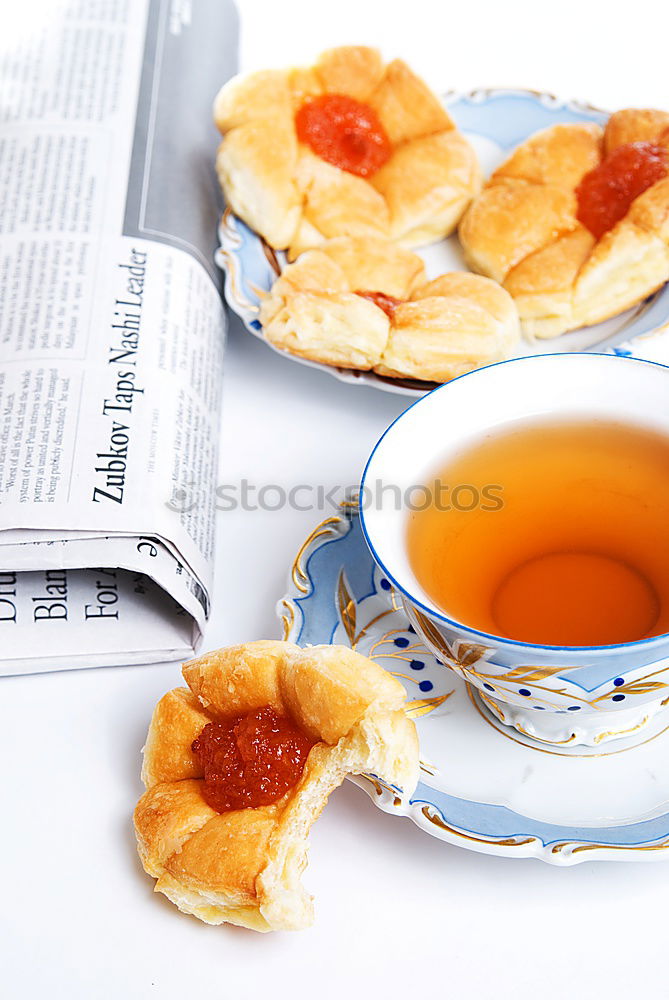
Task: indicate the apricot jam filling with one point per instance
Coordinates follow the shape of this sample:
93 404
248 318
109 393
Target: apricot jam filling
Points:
251 760
606 193
386 302
344 132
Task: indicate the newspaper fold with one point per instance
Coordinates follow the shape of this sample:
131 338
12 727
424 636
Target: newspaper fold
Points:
111 329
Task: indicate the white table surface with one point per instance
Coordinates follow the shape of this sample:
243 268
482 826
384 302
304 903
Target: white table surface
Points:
396 911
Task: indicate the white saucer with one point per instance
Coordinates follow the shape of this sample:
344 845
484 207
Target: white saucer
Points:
483 786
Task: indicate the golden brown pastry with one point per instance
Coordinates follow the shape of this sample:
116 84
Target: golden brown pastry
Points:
365 303
350 147
539 226
243 865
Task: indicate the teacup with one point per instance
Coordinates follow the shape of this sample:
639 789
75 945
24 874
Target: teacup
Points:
560 695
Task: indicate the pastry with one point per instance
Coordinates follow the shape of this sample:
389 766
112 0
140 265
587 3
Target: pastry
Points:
239 764
364 303
575 223
349 147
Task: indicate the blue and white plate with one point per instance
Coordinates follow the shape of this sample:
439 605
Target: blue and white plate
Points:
495 121
483 786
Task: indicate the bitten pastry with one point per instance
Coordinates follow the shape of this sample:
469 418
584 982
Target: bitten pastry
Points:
364 303
349 147
575 223
238 765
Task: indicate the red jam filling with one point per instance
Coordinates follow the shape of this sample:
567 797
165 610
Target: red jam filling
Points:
606 193
344 132
251 760
386 302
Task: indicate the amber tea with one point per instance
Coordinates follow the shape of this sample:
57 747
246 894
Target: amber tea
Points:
566 542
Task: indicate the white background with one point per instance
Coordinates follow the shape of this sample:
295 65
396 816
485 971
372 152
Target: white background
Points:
397 912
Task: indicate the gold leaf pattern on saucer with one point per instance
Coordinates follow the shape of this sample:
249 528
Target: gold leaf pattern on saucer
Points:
347 611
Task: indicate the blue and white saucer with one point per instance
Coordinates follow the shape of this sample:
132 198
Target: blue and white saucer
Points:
483 786
495 122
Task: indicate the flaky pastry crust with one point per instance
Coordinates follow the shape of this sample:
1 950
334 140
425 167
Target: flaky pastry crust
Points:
522 230
440 328
296 200
243 867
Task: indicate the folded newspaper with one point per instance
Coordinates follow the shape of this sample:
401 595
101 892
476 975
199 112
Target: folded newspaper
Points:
111 328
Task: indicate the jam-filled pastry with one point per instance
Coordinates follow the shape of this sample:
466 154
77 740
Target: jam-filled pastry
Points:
364 303
348 147
239 764
575 223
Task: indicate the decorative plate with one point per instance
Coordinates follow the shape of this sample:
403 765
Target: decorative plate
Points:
495 121
483 786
